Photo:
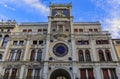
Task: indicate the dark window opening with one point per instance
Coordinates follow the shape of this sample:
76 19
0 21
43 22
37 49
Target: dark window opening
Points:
75 30
35 42
108 55
24 30
96 30
18 54
67 30
32 57
101 55
102 42
29 30
81 56
6 73
83 42
80 30
87 55
21 42
40 41
90 30
39 30
54 30
117 42
6 39
15 42
0 56
0 37
13 74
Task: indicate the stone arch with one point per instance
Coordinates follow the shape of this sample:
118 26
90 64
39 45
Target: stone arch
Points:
60 73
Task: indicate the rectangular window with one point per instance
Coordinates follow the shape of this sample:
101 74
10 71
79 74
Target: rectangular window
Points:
109 73
83 42
35 42
67 30
0 37
39 30
80 30
102 42
83 74
90 74
40 42
105 42
15 42
29 30
113 73
54 30
24 30
21 42
6 73
37 74
14 72
29 74
117 42
45 31
90 30
86 42
96 30
79 42
75 30
86 73
33 55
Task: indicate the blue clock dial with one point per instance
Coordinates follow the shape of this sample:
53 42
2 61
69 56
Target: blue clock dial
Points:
60 49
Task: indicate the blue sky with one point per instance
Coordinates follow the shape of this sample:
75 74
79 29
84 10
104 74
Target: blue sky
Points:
105 11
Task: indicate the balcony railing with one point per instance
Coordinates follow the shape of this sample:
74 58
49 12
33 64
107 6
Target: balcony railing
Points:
92 33
28 33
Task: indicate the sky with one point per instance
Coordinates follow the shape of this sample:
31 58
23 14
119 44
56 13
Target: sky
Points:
107 12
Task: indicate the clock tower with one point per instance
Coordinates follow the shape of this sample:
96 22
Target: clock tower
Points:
59 41
60 31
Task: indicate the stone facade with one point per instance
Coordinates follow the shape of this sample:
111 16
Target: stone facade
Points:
57 49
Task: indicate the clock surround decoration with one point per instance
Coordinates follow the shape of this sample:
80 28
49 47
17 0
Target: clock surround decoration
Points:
60 50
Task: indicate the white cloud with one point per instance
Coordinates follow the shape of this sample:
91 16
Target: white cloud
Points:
30 5
111 21
37 5
6 6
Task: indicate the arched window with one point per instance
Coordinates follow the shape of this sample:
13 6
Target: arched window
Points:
101 55
6 38
108 55
0 56
81 56
12 53
87 55
39 55
18 54
32 57
0 38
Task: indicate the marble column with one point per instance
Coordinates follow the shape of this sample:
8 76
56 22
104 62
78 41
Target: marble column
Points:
22 72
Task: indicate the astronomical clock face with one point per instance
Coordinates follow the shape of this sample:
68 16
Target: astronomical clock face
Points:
60 12
60 49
